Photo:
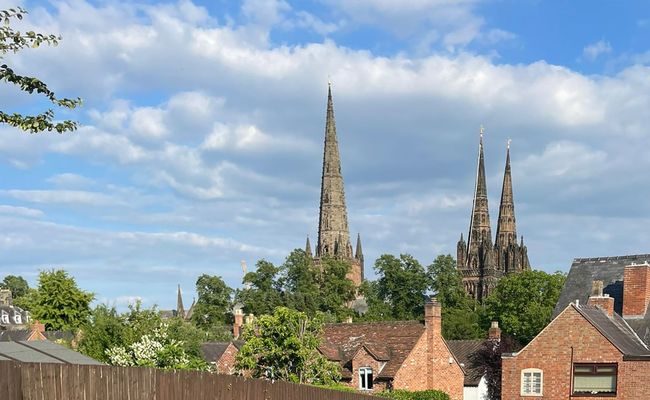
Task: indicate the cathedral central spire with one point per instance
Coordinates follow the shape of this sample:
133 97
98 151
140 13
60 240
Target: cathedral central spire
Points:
333 232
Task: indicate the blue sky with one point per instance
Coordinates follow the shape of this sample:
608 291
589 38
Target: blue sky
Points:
203 123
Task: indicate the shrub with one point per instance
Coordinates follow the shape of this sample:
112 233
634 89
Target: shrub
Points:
421 395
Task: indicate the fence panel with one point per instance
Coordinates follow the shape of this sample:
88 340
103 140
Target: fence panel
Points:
33 381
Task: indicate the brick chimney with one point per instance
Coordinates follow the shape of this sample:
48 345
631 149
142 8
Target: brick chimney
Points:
38 326
433 316
494 333
600 300
239 321
636 290
433 330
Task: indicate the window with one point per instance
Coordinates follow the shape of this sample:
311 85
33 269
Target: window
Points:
594 379
365 378
532 382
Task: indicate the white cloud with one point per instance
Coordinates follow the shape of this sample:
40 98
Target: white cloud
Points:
20 211
595 50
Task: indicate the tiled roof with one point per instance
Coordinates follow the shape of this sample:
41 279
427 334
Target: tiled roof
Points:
212 351
609 270
463 350
386 341
615 329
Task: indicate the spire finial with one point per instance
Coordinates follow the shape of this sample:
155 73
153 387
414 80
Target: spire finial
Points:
482 131
329 80
508 143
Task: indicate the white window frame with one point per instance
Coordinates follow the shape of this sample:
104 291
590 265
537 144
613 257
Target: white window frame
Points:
364 374
532 371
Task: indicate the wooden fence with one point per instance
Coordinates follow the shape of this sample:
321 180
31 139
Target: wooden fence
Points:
33 381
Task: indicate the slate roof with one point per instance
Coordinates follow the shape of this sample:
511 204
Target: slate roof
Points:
386 341
615 329
609 270
462 350
15 335
212 351
42 351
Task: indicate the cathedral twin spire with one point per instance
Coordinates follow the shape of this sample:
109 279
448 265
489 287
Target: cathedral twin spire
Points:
481 262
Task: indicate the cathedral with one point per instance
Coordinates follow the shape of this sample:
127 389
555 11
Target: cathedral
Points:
481 261
333 232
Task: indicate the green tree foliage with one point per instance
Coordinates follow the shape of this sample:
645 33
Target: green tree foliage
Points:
140 337
13 41
523 303
378 309
402 283
17 284
401 394
284 346
460 319
300 283
57 301
336 290
263 293
213 307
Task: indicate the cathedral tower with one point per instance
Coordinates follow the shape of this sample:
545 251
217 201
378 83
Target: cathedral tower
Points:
333 232
480 262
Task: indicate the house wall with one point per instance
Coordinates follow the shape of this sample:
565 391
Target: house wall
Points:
550 351
226 363
445 376
364 359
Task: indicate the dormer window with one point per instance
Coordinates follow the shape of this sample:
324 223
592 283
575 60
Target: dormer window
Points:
4 317
18 319
365 378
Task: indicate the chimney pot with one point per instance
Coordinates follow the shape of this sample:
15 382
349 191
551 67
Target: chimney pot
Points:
494 333
597 288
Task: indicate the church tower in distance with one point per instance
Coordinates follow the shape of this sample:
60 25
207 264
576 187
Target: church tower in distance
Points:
333 233
480 261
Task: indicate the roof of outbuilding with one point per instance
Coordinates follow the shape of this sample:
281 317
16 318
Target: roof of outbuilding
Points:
385 341
43 351
463 350
609 270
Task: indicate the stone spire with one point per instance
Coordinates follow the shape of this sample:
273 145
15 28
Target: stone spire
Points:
479 231
180 310
308 247
359 253
506 226
333 233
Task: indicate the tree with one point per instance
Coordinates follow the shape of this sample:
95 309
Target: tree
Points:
284 346
299 282
17 284
402 283
488 357
264 293
12 41
336 290
57 301
460 319
523 303
120 339
378 309
213 306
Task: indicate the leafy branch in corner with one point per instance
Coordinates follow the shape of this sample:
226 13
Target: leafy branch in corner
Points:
12 41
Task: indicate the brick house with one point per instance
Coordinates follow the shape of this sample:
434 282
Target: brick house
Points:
589 350
221 355
395 355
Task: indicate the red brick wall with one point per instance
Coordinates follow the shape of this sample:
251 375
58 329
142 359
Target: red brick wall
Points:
606 303
226 364
363 359
445 376
636 289
550 351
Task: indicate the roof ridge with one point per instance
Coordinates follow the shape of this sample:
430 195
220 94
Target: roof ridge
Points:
623 257
410 322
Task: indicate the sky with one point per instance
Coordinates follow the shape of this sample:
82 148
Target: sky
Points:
201 133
